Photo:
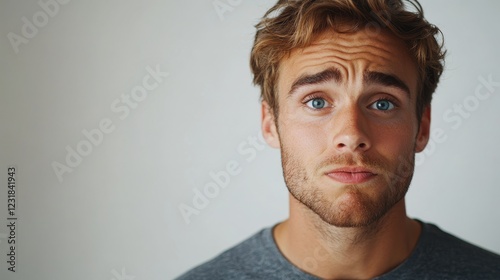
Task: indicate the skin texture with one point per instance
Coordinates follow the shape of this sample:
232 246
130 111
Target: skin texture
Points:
348 138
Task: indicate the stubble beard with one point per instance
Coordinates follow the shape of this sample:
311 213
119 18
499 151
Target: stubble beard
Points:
360 210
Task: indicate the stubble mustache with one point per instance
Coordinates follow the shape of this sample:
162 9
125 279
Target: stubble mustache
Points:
377 164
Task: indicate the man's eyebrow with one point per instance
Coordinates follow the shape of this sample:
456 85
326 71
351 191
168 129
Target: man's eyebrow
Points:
330 74
371 77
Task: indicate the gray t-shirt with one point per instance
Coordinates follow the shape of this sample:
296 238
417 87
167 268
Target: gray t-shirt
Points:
438 255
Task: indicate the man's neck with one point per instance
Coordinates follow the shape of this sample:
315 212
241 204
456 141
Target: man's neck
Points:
346 253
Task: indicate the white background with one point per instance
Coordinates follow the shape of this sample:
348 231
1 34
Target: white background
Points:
117 213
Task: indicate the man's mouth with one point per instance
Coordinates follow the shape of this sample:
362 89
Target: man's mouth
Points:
351 175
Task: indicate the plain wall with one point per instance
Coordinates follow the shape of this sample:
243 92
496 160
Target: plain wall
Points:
115 211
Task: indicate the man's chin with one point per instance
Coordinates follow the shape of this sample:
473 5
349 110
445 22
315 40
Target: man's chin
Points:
352 222
353 208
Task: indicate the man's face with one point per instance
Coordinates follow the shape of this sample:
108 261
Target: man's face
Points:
347 125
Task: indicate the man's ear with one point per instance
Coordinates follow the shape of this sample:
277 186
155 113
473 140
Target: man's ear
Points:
269 130
424 130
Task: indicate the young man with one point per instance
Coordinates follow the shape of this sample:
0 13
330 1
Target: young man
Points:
346 92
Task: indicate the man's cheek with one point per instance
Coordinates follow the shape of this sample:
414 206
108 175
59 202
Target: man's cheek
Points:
391 146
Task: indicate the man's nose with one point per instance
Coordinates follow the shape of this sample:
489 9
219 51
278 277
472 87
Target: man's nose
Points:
350 129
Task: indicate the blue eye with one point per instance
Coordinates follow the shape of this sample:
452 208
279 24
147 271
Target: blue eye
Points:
383 105
317 103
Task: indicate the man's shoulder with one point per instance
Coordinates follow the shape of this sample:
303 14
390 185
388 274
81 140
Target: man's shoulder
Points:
441 254
453 250
242 261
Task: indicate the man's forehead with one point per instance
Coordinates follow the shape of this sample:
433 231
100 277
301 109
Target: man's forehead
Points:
356 52
382 43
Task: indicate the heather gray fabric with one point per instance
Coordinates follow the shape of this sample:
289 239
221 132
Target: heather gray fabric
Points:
438 255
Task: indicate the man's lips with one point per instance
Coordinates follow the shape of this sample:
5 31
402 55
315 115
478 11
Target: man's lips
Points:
351 175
